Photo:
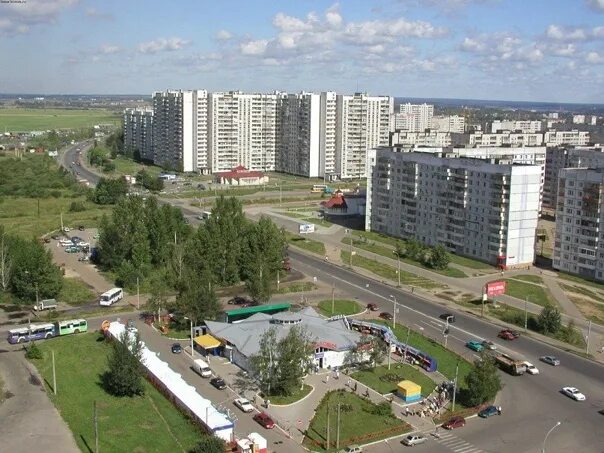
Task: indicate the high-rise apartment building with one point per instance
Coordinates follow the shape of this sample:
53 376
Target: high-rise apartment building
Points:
414 117
473 207
362 123
523 126
327 134
580 223
138 132
452 123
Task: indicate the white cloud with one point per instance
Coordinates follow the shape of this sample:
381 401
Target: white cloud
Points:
257 47
598 32
162 44
96 14
597 5
333 17
567 50
292 24
559 33
108 49
16 18
224 35
594 58
473 45
376 31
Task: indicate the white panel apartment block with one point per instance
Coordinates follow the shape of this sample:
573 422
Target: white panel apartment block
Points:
524 126
138 131
574 137
580 223
327 134
473 207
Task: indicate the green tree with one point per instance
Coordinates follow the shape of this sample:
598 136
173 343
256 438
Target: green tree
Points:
439 258
550 319
482 382
33 271
109 191
125 374
265 364
377 350
197 298
400 251
209 444
294 360
158 294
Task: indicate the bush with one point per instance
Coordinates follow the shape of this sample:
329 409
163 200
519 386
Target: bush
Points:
383 409
33 352
55 193
77 206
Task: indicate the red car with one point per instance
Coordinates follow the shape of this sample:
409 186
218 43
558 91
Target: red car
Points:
372 307
507 335
264 419
455 422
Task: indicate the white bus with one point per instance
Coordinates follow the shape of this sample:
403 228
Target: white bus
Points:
112 296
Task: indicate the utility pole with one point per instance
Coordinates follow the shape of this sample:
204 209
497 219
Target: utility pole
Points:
333 297
455 387
350 249
338 429
587 340
62 222
96 429
328 440
526 313
138 296
54 374
407 344
398 259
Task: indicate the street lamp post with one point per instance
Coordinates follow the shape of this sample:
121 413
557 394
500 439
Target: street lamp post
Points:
446 331
547 435
394 310
191 321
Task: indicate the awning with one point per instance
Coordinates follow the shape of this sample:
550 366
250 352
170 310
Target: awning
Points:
207 341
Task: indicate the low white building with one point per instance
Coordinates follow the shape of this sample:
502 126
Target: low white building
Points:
429 138
506 138
574 138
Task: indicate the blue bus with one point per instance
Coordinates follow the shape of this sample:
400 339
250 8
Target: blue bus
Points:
32 332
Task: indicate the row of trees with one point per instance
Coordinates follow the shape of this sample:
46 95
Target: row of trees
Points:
26 269
435 257
108 191
149 182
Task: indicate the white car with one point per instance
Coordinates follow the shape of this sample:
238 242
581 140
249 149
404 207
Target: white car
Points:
244 404
573 393
530 368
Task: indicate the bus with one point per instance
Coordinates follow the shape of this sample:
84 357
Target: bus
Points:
31 333
510 365
112 296
72 326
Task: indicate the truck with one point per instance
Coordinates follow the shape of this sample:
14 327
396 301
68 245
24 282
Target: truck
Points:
202 368
46 304
510 365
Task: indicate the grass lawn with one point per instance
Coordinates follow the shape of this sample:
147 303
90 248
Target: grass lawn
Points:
24 119
471 263
293 215
358 422
589 303
126 166
75 292
387 252
298 287
318 221
576 278
19 215
296 396
530 278
389 272
142 424
341 307
535 293
305 243
384 380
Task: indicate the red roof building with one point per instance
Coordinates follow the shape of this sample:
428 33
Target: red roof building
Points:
241 176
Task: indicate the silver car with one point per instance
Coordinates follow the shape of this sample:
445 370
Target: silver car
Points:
551 360
414 439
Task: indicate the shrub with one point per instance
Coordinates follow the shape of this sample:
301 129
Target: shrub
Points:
33 352
382 409
77 206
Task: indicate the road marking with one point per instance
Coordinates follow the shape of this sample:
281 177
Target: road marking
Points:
467 449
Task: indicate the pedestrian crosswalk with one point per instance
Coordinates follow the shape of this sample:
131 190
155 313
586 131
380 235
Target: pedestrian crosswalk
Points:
456 444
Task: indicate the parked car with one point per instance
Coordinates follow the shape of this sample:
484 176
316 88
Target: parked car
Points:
573 393
265 420
488 411
507 335
449 316
530 368
372 307
176 348
352 449
489 345
46 304
218 383
550 360
56 237
386 315
81 227
72 249
474 345
76 239
414 439
84 258
244 404
238 300
455 422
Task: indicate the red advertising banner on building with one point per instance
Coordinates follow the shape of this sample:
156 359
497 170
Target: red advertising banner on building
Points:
495 288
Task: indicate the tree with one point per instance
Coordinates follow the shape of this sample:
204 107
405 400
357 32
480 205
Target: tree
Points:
33 271
209 444
264 363
400 251
378 349
158 297
197 298
125 374
294 360
482 382
109 191
5 262
439 258
550 319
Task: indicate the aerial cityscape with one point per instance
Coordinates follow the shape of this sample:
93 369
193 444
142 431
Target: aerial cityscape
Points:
313 226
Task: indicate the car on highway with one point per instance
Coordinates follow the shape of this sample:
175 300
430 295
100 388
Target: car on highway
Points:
455 422
488 412
386 315
507 335
449 316
243 404
371 306
176 348
550 360
414 439
265 420
488 345
573 393
474 345
530 368
218 383
352 449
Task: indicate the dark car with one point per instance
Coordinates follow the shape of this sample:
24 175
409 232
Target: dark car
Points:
76 239
176 348
218 383
449 316
372 307
514 333
386 315
455 422
265 420
81 227
488 411
238 300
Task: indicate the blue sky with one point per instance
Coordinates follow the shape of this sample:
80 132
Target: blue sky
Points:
533 50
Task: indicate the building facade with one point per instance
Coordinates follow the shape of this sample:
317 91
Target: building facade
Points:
580 222
523 126
414 117
473 207
362 123
506 139
430 138
453 123
561 138
138 132
327 135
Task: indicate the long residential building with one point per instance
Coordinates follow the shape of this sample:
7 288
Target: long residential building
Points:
477 208
452 123
580 223
506 139
561 138
138 132
362 123
430 138
523 126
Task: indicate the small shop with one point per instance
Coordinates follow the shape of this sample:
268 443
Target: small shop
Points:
207 345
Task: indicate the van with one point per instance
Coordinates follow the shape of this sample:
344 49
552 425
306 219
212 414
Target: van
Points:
202 368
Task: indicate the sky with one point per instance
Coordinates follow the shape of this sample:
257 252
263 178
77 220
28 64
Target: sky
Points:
516 50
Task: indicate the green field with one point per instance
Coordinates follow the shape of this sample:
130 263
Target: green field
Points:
306 244
290 399
142 424
340 307
23 119
75 292
384 380
532 291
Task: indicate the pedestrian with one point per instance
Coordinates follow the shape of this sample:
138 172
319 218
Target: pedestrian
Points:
337 374
268 403
499 410
406 411
355 386
327 379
